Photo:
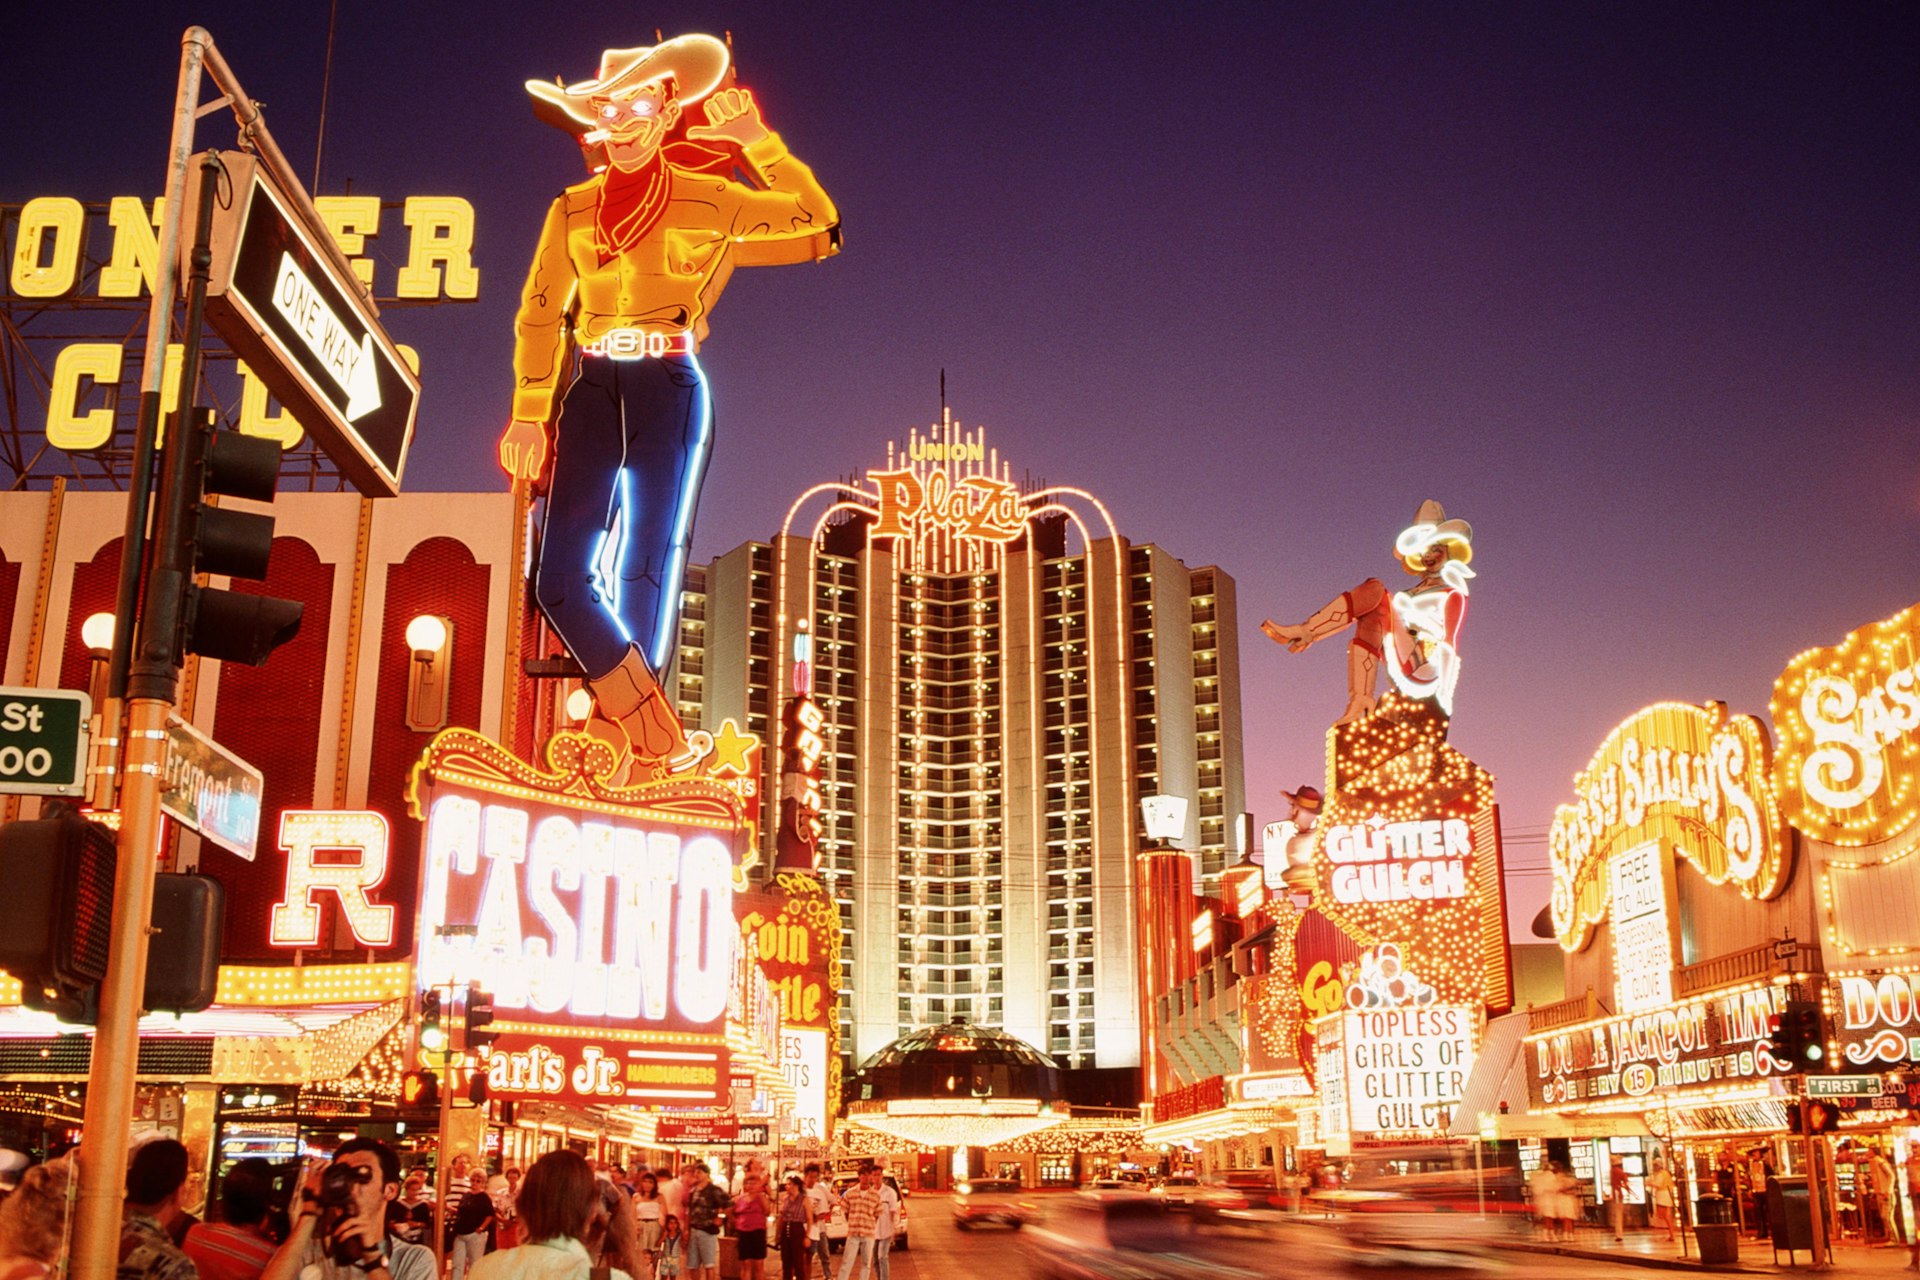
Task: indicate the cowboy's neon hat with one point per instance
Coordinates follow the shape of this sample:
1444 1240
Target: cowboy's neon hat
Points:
696 64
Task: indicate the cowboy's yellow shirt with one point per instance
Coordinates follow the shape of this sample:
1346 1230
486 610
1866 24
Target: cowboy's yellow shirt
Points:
668 280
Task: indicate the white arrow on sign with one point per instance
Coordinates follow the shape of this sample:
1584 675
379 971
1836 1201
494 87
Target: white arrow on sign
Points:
330 341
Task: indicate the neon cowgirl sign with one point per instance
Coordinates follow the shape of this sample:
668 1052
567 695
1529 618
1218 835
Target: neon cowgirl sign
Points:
604 928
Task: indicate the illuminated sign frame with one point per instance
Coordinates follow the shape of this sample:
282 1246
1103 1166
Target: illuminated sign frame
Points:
1406 1065
623 996
1707 1043
1694 779
1402 799
1848 765
802 744
1876 1018
792 929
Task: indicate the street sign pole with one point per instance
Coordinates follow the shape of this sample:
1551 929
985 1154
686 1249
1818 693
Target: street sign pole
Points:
158 579
151 687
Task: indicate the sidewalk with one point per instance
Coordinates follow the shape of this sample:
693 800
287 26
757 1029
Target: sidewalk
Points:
1649 1249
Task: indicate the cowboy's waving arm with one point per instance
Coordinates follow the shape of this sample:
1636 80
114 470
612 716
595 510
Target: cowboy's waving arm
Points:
539 348
793 219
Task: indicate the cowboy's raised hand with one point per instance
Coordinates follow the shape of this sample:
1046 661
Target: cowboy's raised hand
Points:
733 116
523 450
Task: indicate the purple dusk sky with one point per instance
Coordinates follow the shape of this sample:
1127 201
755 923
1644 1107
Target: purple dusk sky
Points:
1632 288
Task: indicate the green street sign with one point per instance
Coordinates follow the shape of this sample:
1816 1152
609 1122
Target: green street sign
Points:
43 742
1845 1086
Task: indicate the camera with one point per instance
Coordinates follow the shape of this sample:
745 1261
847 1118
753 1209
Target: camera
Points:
336 1206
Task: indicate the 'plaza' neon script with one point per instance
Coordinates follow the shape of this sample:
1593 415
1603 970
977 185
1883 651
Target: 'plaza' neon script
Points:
972 507
581 918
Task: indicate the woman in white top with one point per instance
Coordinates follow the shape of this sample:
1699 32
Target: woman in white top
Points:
1660 1186
559 1206
650 1208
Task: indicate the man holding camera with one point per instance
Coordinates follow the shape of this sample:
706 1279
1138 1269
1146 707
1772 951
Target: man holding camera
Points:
340 1227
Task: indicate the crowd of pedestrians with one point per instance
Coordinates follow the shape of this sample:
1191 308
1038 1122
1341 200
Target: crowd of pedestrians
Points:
361 1217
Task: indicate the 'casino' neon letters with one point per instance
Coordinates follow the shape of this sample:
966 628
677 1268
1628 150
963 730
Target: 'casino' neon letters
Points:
581 917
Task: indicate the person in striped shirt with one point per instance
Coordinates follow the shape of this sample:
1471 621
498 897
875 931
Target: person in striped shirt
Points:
239 1245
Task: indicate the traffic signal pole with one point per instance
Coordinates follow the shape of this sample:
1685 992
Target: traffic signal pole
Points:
155 577
446 1158
152 684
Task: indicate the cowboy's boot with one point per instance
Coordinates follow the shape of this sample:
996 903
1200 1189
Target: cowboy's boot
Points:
598 726
632 698
1332 618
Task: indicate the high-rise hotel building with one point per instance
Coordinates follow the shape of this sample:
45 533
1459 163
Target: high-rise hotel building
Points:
1002 677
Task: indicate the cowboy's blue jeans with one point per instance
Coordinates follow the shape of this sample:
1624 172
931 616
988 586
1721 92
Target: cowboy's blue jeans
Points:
629 452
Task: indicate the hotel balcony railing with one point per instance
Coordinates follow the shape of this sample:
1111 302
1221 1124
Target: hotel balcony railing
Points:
1560 1013
1753 964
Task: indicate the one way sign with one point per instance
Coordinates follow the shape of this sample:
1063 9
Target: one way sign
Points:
351 367
304 325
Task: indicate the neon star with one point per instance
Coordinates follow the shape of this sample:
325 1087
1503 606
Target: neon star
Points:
731 748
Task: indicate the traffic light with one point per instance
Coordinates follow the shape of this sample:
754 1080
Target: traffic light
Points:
56 915
420 1089
55 921
477 1088
1796 1039
1812 1116
183 956
479 1038
197 537
433 1027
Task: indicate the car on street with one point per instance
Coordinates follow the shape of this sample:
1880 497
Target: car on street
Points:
1179 1191
992 1200
1124 1235
1240 1193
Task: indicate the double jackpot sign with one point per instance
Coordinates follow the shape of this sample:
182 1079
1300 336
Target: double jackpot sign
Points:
600 918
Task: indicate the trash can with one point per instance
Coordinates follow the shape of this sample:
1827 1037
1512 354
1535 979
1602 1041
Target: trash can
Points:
1719 1241
1714 1229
